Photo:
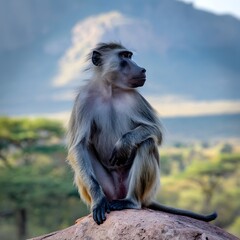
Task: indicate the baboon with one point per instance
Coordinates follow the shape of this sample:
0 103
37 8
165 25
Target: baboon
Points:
113 137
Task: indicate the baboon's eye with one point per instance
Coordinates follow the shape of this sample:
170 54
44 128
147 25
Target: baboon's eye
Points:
126 54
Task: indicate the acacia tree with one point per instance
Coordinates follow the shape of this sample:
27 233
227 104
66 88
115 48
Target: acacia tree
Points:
210 177
26 181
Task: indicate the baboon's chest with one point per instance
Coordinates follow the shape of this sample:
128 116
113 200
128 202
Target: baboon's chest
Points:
111 123
114 116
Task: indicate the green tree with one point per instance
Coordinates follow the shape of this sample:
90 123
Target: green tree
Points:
28 177
210 180
227 148
211 177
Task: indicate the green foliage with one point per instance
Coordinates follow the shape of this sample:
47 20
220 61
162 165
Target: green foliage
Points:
26 186
235 227
34 177
205 179
227 148
165 165
20 130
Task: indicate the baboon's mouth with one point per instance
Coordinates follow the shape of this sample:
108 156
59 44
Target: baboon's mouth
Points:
137 82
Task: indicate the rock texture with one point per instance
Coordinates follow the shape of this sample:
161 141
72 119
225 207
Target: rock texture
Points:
140 224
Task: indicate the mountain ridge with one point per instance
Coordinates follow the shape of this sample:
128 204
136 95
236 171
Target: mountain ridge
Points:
186 51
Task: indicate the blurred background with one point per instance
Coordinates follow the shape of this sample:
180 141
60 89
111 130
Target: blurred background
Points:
191 50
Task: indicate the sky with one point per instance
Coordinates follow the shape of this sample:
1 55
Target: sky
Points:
43 46
218 6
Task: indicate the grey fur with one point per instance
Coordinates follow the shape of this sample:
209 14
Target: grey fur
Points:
113 136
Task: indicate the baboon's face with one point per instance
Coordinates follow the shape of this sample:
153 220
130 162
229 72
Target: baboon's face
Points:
119 70
130 75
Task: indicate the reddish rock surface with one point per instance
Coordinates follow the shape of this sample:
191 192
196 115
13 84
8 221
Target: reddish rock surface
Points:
140 224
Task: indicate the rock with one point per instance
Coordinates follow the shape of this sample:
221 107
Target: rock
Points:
140 224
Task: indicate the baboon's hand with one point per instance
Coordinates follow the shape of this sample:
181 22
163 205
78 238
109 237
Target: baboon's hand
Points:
99 210
124 151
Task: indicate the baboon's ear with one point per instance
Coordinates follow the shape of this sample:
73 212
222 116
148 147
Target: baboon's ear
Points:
96 58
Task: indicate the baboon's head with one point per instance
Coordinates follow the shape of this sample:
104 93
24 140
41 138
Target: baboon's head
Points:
114 64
